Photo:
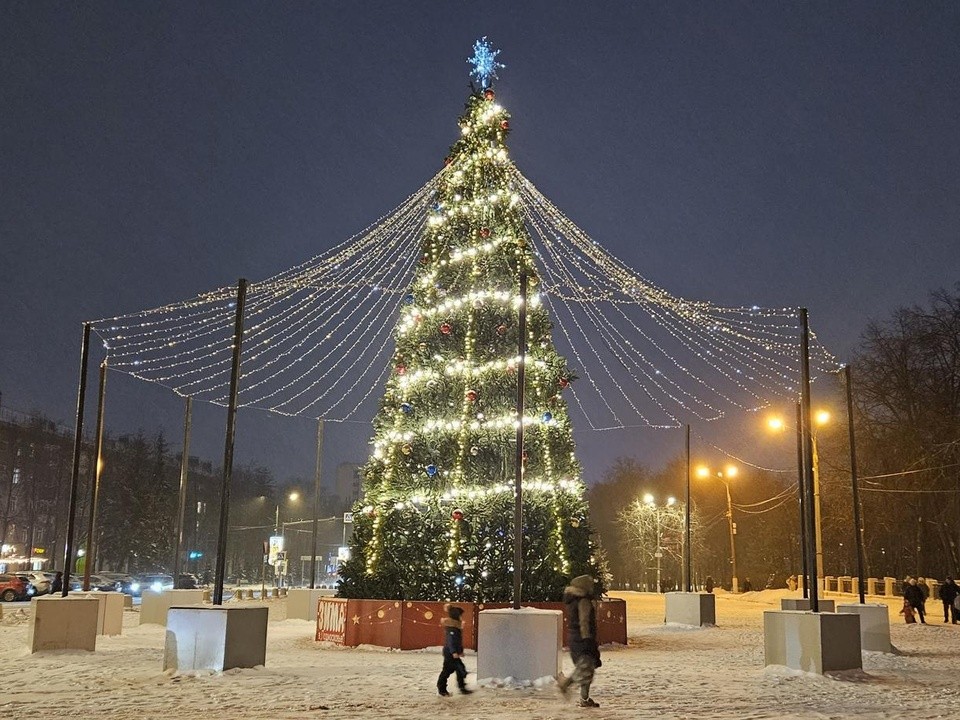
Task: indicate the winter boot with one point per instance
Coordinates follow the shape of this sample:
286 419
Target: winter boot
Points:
588 702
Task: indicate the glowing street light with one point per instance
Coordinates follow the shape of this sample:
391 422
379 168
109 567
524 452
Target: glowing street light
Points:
730 471
649 500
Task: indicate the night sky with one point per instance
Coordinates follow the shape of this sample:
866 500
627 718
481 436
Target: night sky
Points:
766 154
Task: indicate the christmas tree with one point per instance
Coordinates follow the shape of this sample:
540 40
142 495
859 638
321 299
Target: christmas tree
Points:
436 520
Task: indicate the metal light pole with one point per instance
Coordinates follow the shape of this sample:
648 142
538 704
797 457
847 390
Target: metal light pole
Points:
855 485
228 444
733 545
316 506
95 485
808 452
805 579
182 504
518 478
687 547
731 471
75 472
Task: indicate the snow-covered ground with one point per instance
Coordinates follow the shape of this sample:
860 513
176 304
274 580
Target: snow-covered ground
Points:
665 671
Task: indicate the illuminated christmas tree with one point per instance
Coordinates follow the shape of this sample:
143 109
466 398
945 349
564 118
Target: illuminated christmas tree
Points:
436 520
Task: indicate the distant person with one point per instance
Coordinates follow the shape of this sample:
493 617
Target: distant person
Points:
708 584
581 637
948 595
924 588
57 584
792 583
452 652
747 587
914 595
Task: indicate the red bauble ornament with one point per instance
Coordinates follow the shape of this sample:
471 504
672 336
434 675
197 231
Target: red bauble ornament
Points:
447 160
457 514
424 260
504 124
446 328
484 232
488 94
501 330
401 369
472 395
564 382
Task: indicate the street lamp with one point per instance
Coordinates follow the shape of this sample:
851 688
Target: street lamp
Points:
279 530
649 500
730 471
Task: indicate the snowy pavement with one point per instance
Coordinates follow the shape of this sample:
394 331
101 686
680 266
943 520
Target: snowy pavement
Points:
665 671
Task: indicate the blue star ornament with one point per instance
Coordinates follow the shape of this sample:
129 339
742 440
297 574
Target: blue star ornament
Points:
484 63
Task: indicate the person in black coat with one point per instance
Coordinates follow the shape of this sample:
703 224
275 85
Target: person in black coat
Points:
581 637
948 594
452 651
914 595
57 584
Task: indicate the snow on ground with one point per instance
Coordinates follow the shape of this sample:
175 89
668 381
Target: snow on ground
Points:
665 671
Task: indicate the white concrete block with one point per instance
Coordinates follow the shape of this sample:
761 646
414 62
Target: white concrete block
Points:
691 608
62 623
874 625
302 602
215 638
154 605
804 604
522 644
109 611
812 642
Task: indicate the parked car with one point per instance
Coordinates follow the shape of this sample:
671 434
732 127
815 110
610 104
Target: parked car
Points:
12 588
188 581
27 579
41 581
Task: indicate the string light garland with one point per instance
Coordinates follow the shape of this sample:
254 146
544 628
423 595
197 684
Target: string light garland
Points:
424 306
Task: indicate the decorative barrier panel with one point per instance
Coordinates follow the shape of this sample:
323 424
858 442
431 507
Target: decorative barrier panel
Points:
415 624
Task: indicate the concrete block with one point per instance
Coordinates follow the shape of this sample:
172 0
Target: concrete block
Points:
522 644
154 605
812 642
62 623
874 625
127 602
302 602
215 638
109 611
691 608
804 604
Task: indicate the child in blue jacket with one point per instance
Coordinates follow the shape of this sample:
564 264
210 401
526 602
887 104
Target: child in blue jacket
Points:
452 652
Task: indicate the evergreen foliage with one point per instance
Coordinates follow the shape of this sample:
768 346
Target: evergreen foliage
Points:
436 521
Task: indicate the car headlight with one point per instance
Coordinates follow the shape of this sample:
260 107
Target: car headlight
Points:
134 586
157 587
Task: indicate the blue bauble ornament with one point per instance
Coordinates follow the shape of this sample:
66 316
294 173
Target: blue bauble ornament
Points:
407 408
547 417
408 299
431 470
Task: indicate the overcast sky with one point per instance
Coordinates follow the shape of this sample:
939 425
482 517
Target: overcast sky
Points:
772 154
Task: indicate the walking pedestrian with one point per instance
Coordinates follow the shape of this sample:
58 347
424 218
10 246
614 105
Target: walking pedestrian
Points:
708 584
452 651
581 637
914 595
948 594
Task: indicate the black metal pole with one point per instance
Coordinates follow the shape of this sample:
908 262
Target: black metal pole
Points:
75 472
810 549
805 578
855 484
95 485
518 480
228 445
184 477
316 506
687 547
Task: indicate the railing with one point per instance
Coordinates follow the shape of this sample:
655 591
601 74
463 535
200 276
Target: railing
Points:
881 587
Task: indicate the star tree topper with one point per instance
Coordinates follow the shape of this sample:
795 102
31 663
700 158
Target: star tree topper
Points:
484 63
